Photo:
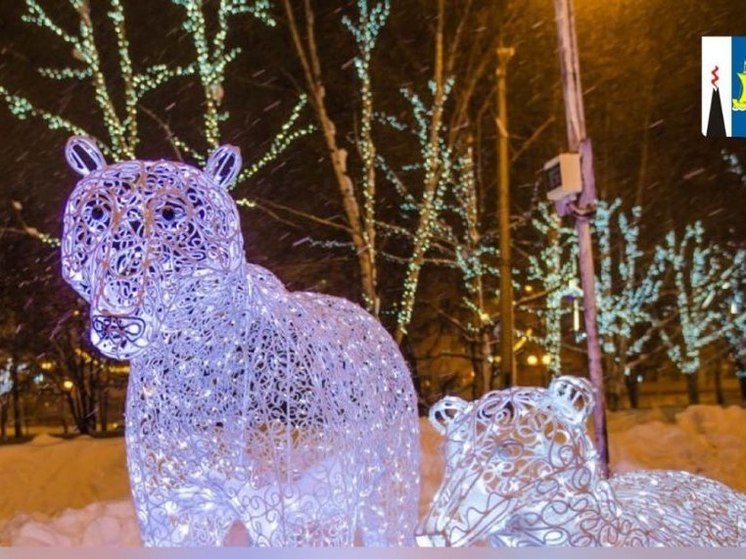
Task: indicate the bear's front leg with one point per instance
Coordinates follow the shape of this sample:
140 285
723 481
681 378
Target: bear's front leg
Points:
183 516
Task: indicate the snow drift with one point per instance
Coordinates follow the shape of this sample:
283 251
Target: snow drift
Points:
56 492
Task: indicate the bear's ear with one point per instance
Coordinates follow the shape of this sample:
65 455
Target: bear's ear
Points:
224 165
444 411
83 155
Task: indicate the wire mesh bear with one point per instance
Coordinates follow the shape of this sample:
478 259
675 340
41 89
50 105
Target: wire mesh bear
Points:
521 470
292 414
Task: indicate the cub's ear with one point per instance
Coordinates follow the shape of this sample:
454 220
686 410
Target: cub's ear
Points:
572 396
224 165
83 155
444 411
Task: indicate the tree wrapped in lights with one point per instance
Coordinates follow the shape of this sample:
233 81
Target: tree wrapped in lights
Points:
291 414
698 270
472 257
122 113
626 294
360 223
429 128
555 268
10 378
521 470
420 183
5 381
449 225
458 243
733 316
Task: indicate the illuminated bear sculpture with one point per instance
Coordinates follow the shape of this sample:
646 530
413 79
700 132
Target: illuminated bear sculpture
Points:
292 414
521 470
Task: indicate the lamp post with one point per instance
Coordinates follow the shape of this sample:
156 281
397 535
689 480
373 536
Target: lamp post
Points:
507 361
578 142
67 389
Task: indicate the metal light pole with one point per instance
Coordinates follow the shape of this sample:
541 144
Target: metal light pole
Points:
583 210
507 363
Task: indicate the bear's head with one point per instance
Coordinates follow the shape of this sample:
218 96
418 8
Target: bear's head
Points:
145 241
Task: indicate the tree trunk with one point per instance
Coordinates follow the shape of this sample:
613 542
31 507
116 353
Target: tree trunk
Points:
432 170
742 384
16 396
103 404
62 414
633 391
309 59
78 411
692 388
616 373
485 357
613 385
507 361
480 374
719 395
3 422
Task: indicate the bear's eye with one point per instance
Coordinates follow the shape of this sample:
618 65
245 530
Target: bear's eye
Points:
97 214
168 213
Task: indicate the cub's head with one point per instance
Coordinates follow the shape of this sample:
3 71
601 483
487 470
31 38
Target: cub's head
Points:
501 453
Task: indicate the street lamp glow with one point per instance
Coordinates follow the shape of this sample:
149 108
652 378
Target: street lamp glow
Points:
67 385
532 360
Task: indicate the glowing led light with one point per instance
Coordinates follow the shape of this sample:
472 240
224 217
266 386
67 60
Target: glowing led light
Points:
68 385
6 384
532 360
521 471
291 413
6 376
575 315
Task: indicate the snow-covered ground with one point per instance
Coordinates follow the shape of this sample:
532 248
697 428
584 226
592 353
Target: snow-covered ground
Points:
76 492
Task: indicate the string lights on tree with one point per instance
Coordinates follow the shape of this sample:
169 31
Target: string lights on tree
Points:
628 290
554 268
366 32
733 313
6 383
698 271
212 57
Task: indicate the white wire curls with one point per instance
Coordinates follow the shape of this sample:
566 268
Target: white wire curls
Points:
521 470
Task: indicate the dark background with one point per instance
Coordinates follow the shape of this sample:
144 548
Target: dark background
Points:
640 62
